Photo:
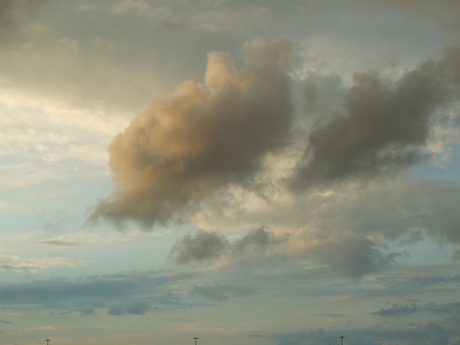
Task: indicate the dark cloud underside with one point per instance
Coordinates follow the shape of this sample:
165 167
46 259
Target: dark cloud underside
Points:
383 125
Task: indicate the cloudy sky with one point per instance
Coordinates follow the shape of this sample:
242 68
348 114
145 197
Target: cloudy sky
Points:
245 172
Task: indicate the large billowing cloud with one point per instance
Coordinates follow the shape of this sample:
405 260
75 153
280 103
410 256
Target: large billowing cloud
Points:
181 149
383 124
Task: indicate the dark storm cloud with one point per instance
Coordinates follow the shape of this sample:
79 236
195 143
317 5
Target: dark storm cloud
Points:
209 245
219 292
382 127
182 149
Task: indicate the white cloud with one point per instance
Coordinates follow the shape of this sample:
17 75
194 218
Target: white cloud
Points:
18 264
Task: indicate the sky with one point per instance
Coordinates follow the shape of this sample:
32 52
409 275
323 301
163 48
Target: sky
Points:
245 172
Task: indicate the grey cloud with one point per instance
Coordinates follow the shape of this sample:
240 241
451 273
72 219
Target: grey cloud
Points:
383 125
437 334
434 333
398 310
120 293
334 316
445 308
202 246
261 238
298 338
87 311
182 149
322 336
350 254
407 310
219 292
322 91
209 245
133 307
451 231
406 210
14 15
58 243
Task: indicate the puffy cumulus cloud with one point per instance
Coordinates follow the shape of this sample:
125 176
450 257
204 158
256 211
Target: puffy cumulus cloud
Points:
216 249
182 149
382 126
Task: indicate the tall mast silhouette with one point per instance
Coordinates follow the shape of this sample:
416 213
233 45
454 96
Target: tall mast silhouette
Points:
195 339
47 341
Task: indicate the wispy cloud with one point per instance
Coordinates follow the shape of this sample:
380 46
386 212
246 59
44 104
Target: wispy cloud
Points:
18 264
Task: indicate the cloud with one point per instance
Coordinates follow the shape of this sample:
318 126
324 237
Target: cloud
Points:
87 311
140 8
202 246
181 150
15 15
132 5
382 126
347 228
213 247
219 292
437 334
18 264
348 253
60 243
407 310
133 307
119 294
434 333
398 310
